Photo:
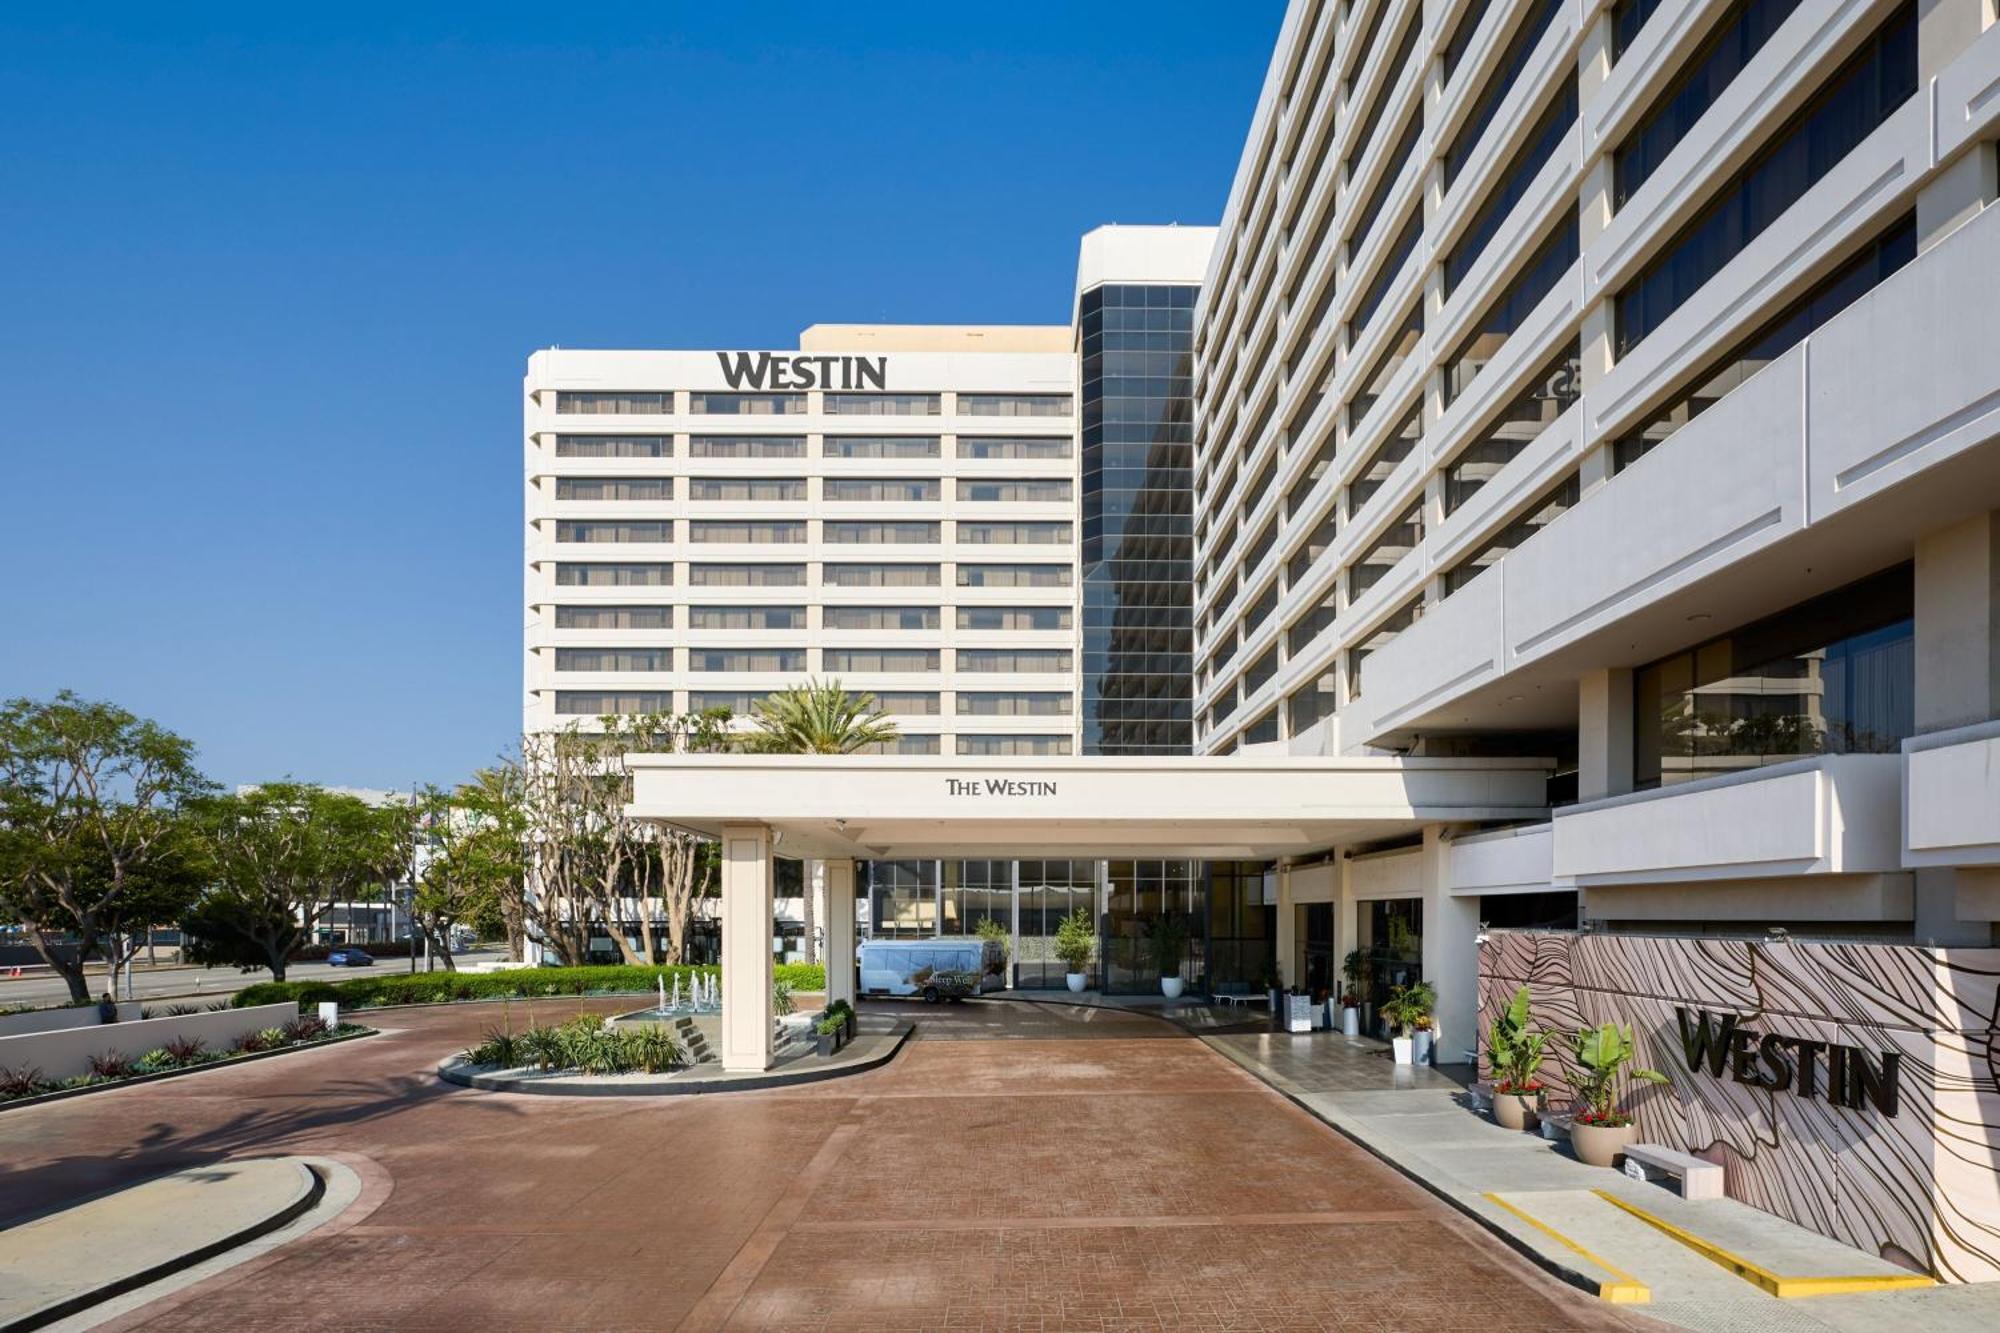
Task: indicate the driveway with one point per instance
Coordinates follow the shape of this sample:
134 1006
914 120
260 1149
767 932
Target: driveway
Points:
1002 1173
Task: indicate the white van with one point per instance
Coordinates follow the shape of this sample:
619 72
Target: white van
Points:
930 967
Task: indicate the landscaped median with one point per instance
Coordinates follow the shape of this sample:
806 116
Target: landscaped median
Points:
519 983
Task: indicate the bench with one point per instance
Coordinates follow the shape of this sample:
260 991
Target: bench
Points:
1699 1179
1233 998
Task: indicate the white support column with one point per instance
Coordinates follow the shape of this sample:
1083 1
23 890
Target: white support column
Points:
748 881
1286 946
839 931
1604 733
1451 951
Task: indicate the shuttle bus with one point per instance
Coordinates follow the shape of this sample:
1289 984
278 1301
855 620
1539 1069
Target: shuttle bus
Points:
937 969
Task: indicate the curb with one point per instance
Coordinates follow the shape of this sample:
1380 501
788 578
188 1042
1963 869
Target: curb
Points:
64 1094
309 1196
452 1069
1553 1267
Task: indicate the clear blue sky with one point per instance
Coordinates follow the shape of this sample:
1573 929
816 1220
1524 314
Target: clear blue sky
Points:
269 275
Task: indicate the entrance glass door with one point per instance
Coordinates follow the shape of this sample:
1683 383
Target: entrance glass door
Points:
1392 939
1050 891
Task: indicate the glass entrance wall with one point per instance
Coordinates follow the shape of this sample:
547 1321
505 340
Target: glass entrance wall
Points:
1392 940
1048 892
1315 924
974 892
902 899
1241 928
1139 893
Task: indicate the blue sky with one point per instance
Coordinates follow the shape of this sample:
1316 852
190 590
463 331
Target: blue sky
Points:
270 274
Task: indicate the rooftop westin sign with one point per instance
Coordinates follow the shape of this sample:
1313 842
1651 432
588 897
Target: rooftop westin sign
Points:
762 370
1788 1064
975 788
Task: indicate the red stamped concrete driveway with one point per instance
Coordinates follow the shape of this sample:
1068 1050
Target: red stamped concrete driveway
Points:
1055 1169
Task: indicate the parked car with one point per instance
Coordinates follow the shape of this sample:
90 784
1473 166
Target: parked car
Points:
937 969
347 955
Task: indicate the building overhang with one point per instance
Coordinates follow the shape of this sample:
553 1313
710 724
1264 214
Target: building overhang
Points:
878 807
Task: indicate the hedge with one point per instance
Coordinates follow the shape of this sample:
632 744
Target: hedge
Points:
392 988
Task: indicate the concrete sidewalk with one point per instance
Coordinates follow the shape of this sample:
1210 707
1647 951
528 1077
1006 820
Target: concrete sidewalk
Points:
1598 1228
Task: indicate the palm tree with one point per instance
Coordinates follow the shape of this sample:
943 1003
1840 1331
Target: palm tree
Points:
817 718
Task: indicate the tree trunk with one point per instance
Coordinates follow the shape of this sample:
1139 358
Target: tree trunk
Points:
70 970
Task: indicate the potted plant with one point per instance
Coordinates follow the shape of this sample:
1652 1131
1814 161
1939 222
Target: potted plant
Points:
828 1031
1401 1013
1599 1131
1420 1000
1076 942
1169 938
1514 1051
1354 970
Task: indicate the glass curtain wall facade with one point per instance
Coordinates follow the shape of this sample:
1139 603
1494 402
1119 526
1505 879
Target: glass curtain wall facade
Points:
1137 424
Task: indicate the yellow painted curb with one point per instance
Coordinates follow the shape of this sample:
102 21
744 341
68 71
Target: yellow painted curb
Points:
1623 1290
1785 1288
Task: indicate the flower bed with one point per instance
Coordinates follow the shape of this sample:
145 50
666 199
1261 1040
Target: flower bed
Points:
583 1045
180 1055
526 983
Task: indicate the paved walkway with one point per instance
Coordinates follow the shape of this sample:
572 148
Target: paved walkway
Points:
1014 1177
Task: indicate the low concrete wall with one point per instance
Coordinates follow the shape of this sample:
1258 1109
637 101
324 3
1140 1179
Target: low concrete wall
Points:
59 1020
66 1053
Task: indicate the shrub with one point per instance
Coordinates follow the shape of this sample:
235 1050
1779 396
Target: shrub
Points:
307 1027
781 999
529 982
829 1025
153 1061
252 1042
499 1048
186 1051
26 1081
654 1050
113 1064
543 1048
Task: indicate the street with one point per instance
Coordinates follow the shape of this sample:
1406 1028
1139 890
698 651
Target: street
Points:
172 983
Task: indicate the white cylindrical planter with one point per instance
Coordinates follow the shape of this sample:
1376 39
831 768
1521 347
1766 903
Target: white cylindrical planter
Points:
1171 987
1402 1047
1350 1021
329 1013
1076 980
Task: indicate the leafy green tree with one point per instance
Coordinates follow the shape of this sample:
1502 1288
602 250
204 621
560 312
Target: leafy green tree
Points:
469 863
89 798
282 855
818 717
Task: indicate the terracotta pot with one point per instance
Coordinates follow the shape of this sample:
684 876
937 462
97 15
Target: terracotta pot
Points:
1517 1110
1601 1145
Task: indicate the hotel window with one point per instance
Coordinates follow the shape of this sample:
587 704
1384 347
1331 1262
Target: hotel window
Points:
1014 534
749 531
746 659
614 659
614 446
600 703
1259 672
1013 660
1382 463
747 446
1546 396
879 617
1741 34
614 404
746 404
1302 489
1014 446
1364 43
1858 98
1016 703
1386 552
1308 704
614 488
878 659
1552 506
1384 90
738 703
1261 545
896 489
1014 745
1308 552
1030 490
878 576
1015 405
1263 731
1013 617
571 530
901 745
1385 634
855 533
882 404
1628 20
1401 345
1512 62
747 576
880 446
614 617
1390 269
1548 134
747 488
1835 675
746 617
1261 609
1536 280
1455 46
1392 171
614 576
906 703
1015 576
1845 285
1311 625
